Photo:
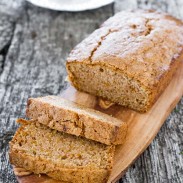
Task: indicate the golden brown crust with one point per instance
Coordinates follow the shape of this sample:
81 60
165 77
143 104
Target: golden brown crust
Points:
164 80
69 117
144 45
36 165
23 121
142 55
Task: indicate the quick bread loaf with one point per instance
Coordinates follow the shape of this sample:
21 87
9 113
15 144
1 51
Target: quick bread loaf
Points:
68 158
72 118
130 59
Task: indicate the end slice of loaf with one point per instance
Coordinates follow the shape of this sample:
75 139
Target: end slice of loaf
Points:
72 118
61 156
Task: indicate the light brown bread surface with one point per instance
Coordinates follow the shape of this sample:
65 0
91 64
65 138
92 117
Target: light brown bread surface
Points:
130 59
72 118
39 149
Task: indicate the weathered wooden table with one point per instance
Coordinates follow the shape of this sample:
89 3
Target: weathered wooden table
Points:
34 44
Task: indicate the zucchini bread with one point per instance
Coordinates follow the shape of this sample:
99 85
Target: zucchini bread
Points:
72 118
130 59
68 158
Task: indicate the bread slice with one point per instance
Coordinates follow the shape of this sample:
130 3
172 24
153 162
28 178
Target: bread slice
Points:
61 156
72 118
130 59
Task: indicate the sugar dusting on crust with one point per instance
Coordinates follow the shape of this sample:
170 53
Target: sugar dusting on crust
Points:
140 43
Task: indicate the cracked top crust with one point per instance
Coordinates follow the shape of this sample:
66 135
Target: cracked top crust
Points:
142 44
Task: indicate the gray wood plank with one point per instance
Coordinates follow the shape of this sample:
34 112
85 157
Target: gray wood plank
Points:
162 162
121 5
6 32
179 4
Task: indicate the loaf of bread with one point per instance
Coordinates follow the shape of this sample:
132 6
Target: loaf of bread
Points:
130 59
72 118
68 158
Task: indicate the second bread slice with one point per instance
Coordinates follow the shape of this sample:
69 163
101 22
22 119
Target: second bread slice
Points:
72 118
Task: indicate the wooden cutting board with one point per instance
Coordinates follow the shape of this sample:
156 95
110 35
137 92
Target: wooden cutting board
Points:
142 128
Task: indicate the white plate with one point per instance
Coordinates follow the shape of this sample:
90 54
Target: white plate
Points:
71 5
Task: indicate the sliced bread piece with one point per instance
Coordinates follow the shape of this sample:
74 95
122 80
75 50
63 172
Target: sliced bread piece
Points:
61 156
72 118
